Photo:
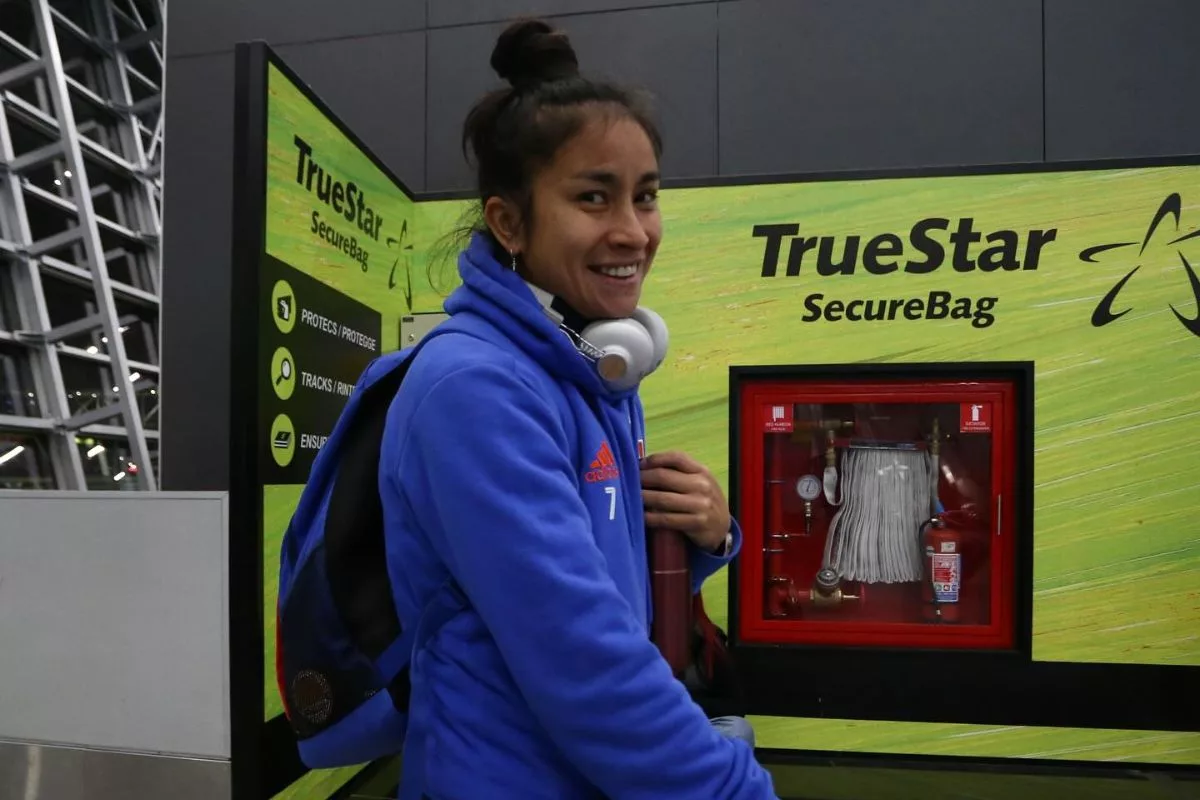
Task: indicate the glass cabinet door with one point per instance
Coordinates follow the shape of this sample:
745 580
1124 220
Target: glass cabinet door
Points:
874 513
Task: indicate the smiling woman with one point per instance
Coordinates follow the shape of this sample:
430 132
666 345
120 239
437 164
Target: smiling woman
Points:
518 494
593 226
568 175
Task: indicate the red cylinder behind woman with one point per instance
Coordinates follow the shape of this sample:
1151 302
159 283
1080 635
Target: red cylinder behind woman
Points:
671 593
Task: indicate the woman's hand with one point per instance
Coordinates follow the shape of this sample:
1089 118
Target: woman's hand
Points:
681 494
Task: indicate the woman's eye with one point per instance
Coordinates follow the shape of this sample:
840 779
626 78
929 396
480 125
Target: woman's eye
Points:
592 197
648 197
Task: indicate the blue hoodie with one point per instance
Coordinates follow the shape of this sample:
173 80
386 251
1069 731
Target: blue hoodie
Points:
512 497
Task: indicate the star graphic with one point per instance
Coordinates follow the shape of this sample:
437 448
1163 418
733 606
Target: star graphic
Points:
1103 313
407 257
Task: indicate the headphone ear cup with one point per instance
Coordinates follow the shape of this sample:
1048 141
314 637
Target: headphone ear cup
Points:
628 351
657 328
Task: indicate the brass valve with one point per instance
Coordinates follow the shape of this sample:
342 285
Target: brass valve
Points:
827 590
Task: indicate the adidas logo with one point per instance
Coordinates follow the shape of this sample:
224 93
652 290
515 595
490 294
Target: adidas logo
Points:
604 466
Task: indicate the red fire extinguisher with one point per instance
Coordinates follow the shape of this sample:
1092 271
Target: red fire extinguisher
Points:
943 546
671 590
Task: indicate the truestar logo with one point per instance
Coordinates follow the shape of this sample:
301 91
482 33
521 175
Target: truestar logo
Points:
1103 313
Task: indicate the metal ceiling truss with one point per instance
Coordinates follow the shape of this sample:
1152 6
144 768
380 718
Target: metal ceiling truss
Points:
81 142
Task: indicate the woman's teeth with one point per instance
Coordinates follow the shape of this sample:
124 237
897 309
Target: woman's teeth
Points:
625 271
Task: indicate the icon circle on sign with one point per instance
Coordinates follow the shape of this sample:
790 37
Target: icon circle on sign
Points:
283 440
283 373
283 306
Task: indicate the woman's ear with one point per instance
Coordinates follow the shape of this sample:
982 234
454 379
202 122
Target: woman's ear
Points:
505 223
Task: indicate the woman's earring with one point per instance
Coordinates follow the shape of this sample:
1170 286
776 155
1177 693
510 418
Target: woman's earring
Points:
514 259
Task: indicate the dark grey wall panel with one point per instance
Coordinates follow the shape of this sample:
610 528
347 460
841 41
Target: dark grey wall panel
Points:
206 26
1122 78
198 190
827 84
669 51
376 85
460 12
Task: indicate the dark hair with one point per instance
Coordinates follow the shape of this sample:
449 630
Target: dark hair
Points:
511 132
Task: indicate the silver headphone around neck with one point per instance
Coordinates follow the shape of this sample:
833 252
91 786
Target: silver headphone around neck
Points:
624 351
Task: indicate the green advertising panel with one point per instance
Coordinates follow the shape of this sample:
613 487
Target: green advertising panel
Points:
1089 274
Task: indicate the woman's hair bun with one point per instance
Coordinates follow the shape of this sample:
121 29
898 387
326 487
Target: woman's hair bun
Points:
530 52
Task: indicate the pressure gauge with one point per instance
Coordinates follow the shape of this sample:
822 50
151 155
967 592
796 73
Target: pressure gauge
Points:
809 488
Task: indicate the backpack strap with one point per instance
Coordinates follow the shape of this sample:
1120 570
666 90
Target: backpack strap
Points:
357 566
448 599
357 563
365 586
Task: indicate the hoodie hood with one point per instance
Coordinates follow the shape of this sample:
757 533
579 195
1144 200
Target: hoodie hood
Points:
493 291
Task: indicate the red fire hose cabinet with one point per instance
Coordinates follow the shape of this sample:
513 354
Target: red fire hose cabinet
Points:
877 506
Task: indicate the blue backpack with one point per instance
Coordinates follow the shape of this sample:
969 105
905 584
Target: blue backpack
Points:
342 654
